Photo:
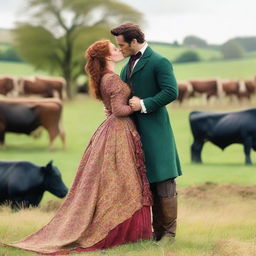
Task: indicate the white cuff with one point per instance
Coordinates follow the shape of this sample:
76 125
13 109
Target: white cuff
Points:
143 108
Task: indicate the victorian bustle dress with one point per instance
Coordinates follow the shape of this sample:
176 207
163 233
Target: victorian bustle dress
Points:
109 201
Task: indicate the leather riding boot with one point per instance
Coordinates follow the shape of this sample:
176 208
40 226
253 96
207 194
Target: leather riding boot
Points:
169 211
157 218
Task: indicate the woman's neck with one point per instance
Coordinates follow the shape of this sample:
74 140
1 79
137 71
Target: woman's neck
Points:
111 66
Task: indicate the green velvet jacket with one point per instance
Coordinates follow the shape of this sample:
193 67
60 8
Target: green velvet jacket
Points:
153 81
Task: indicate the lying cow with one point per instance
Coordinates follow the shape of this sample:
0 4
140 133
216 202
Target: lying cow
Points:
223 129
26 115
6 84
22 184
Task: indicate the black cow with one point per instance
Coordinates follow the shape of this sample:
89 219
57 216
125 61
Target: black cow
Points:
223 129
23 184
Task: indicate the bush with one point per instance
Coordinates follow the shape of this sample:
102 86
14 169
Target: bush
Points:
232 50
10 55
188 56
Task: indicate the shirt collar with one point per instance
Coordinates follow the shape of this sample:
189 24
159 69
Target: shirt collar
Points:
143 49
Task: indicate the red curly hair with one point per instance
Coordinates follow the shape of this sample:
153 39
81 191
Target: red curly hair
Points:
96 65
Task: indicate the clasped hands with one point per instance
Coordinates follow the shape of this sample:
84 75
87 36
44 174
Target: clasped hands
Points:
134 103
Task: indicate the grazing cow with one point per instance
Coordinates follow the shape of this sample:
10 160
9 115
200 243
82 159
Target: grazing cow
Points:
231 88
239 89
32 87
185 91
22 184
208 87
55 83
223 129
46 87
26 115
250 86
6 84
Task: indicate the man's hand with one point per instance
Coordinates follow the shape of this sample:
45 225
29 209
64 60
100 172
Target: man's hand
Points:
134 103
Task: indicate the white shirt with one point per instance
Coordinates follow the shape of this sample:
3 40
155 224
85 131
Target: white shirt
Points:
142 50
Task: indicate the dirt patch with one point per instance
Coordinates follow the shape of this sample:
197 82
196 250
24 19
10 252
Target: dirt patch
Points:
210 189
233 247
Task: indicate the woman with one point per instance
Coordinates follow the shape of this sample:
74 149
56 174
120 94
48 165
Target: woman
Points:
109 201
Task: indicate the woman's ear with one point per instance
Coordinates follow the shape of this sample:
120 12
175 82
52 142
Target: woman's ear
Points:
108 58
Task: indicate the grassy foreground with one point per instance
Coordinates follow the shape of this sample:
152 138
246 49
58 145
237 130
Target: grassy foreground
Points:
217 199
214 220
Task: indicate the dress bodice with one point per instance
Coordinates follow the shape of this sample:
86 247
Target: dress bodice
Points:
115 94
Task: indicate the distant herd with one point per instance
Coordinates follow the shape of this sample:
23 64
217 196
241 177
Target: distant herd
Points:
220 88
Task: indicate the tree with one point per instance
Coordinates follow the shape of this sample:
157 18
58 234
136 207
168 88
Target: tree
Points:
232 50
194 41
60 30
188 56
247 43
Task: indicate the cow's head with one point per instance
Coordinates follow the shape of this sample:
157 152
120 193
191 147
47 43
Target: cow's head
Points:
53 182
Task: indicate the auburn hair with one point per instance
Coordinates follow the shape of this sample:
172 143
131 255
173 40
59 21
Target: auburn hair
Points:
96 65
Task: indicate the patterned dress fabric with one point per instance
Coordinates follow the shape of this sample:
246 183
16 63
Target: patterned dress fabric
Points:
109 201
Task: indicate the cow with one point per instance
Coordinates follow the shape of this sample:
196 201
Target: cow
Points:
208 87
250 86
185 91
6 84
223 129
45 87
239 88
22 183
55 83
26 115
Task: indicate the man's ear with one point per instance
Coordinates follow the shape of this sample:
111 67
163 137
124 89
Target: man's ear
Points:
134 41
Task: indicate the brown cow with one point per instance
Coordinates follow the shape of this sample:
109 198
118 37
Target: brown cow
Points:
45 87
6 84
231 88
26 115
208 87
239 89
250 86
185 91
55 83
33 87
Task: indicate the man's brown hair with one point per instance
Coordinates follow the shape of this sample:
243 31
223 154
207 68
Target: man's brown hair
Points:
129 31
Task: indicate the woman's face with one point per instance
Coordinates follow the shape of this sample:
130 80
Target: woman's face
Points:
115 53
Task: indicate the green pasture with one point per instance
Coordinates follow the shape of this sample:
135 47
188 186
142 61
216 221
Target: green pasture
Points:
214 219
211 223
82 116
244 68
172 52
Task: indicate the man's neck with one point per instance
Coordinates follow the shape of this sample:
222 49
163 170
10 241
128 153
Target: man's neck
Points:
139 47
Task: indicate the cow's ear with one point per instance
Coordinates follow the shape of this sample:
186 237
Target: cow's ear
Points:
49 165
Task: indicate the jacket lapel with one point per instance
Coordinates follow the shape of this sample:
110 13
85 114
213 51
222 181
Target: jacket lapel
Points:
142 61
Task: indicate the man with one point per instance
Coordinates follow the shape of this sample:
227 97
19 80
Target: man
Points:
151 79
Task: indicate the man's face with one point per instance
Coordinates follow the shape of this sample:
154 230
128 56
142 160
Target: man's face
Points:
126 48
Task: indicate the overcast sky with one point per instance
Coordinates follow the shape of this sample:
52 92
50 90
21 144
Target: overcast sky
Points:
169 20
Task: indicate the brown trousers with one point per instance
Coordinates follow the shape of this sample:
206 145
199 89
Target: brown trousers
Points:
164 208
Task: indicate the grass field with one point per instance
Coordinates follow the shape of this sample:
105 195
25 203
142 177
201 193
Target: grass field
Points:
173 52
217 199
